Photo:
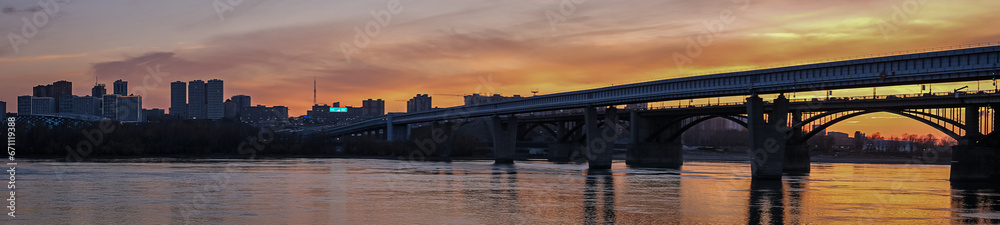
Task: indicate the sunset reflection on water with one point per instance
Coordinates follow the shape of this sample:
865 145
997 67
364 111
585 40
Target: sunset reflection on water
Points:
352 191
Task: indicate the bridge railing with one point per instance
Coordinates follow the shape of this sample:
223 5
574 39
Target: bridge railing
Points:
809 62
848 98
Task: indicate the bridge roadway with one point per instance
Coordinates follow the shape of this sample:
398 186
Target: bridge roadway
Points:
933 67
922 68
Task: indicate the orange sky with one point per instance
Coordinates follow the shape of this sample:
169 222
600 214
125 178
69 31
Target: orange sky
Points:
272 50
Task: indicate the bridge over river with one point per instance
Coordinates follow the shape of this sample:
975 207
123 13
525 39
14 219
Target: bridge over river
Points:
778 128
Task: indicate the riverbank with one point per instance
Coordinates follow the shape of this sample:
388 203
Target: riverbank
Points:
709 156
689 156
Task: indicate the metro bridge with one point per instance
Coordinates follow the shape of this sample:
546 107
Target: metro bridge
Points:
778 129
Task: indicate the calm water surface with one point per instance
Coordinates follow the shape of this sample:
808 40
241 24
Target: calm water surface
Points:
355 191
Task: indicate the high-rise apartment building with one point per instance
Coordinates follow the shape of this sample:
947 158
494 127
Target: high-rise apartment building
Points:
196 100
87 105
24 105
178 99
419 103
121 87
213 100
43 105
98 91
372 108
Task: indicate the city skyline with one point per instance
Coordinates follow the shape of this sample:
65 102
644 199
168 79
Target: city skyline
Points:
478 55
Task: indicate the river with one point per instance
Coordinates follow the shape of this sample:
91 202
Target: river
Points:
369 191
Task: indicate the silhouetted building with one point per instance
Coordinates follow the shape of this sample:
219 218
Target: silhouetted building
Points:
372 108
43 105
476 99
24 105
242 101
859 140
154 114
55 91
234 106
121 87
61 88
42 91
324 114
64 103
31 105
87 105
130 109
3 112
196 100
419 103
840 139
213 100
98 91
178 99
872 145
262 114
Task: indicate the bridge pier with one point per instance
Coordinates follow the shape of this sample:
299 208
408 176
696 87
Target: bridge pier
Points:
504 132
975 164
767 138
442 134
649 152
396 132
975 159
560 150
600 140
797 159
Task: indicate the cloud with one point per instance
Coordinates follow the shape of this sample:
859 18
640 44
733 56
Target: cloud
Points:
601 43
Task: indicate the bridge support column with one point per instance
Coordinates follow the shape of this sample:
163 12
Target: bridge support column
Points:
767 138
396 132
600 140
442 134
646 152
504 132
973 160
797 159
975 164
560 150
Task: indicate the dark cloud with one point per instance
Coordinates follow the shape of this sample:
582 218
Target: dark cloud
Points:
13 10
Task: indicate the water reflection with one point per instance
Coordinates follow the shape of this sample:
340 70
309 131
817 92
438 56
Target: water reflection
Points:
796 186
604 181
976 203
505 189
352 191
766 202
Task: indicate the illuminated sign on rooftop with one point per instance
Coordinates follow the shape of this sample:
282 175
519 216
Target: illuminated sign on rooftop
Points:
338 109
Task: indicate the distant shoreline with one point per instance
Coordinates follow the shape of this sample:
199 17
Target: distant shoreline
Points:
689 156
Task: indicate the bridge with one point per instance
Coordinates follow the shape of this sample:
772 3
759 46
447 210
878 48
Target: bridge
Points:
778 129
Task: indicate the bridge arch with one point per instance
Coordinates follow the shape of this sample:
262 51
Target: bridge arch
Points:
904 113
546 129
735 118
